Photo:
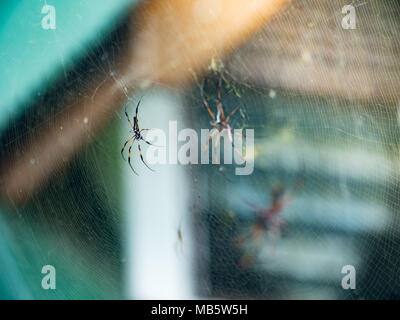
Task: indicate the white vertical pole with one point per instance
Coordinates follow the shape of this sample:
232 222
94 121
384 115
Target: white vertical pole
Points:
156 204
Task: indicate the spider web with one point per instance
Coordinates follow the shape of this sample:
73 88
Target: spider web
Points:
324 108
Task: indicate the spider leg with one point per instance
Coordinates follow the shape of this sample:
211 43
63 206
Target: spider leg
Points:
141 130
216 146
136 127
123 148
149 143
137 106
141 156
127 116
240 134
239 153
129 157
231 114
205 101
233 145
141 137
136 116
209 139
219 99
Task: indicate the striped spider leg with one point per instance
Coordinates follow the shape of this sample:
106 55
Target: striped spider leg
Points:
220 122
137 136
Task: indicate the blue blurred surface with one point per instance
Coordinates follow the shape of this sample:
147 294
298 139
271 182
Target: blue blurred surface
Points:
31 56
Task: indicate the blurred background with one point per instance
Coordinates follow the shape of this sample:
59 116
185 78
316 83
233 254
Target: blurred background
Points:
324 105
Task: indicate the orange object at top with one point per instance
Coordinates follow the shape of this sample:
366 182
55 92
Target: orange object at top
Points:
183 35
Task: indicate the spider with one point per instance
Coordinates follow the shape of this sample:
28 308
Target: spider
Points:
220 122
268 222
268 219
137 136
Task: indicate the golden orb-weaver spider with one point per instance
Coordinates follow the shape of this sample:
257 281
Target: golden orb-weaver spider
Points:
137 136
220 122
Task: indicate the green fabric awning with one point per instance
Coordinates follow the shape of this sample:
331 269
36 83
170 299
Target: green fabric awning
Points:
31 56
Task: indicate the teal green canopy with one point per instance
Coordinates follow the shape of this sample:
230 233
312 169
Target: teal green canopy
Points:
31 56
